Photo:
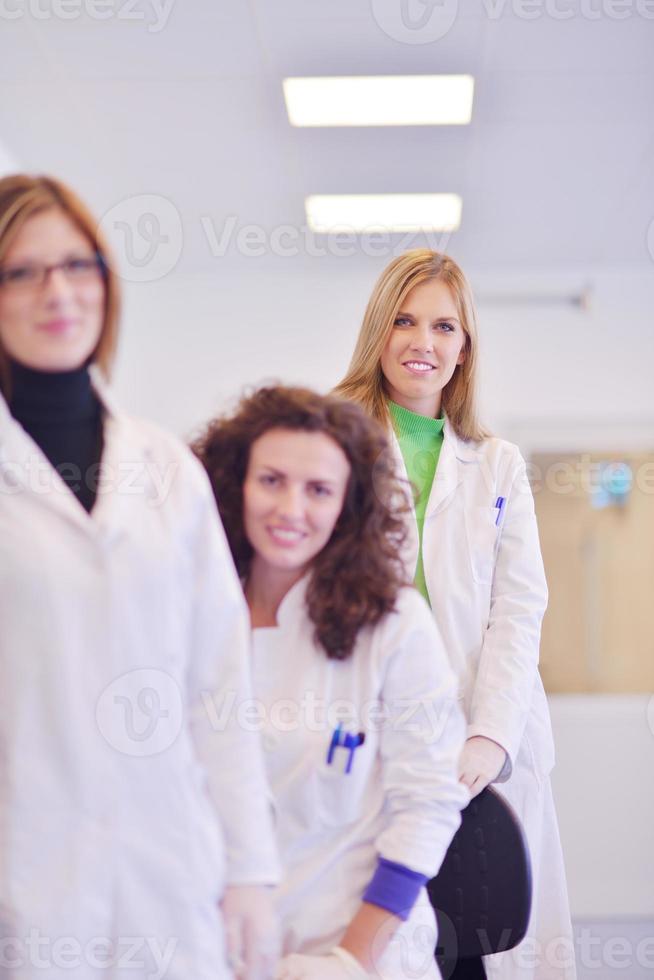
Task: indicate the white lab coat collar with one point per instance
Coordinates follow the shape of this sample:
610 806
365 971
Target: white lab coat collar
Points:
289 607
455 454
23 464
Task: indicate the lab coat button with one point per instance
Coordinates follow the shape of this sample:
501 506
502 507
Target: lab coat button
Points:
270 742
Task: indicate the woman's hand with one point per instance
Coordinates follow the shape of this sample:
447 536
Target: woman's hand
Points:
482 760
251 931
337 965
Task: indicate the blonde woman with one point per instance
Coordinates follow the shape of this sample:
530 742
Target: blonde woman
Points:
475 557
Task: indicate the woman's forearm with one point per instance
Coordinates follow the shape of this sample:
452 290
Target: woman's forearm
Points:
369 933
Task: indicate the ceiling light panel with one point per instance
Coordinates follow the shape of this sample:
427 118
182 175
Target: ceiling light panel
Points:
380 100
335 213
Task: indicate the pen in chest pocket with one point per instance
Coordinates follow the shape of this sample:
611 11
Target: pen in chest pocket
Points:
344 740
499 507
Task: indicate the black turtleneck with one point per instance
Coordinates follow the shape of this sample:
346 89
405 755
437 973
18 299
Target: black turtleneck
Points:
63 415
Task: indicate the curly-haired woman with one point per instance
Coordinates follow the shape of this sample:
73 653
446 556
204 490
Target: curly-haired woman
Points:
362 730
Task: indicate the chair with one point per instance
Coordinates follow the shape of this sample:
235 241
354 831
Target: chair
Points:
482 893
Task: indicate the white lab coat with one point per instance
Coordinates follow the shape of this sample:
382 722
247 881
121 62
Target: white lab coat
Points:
126 802
401 799
488 593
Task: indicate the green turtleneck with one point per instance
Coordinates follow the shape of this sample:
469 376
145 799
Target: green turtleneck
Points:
420 440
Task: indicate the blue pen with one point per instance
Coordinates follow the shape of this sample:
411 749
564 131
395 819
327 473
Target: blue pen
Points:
499 506
335 742
347 741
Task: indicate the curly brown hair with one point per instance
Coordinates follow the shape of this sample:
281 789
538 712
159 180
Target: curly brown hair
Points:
356 577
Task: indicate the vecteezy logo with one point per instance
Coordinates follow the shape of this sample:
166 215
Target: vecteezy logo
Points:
141 712
415 21
145 233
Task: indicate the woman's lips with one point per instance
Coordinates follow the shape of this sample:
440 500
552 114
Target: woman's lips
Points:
419 368
58 326
286 537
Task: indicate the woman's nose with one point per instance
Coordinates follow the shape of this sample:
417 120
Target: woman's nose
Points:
422 338
291 504
56 286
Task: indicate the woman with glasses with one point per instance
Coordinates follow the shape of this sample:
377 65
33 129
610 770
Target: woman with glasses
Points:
130 803
362 733
475 556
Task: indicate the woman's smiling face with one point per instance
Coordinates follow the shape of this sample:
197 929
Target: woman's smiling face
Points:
425 345
293 495
52 325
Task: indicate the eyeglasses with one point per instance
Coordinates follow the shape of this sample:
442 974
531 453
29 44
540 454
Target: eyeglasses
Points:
34 275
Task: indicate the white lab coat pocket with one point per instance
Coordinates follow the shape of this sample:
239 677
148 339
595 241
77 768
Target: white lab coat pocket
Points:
482 533
339 794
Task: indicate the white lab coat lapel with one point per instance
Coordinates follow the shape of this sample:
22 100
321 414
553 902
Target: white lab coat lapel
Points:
455 456
125 471
448 472
455 453
24 465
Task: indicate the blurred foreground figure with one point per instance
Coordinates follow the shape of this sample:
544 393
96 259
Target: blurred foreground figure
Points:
129 805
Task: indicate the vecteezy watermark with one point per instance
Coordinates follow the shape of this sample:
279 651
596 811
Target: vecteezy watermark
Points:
425 21
153 13
613 952
584 475
146 237
415 21
141 478
147 954
145 233
569 9
141 713
423 717
409 950
288 241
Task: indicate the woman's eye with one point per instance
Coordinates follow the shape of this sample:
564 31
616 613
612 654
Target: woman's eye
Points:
21 273
401 321
80 264
447 327
320 491
268 479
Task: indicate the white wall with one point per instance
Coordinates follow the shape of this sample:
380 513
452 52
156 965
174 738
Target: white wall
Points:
604 794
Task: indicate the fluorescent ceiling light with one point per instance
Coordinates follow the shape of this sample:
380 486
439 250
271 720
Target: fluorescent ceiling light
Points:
383 212
380 100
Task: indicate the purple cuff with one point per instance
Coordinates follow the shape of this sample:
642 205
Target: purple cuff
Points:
395 888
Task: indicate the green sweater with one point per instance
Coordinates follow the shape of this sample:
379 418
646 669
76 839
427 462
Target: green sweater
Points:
420 440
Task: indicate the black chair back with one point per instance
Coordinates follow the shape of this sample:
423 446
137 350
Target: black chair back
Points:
482 893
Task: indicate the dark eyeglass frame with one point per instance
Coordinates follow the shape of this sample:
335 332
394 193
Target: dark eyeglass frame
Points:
90 263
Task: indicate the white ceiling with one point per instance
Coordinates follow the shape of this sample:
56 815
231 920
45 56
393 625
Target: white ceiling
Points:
556 169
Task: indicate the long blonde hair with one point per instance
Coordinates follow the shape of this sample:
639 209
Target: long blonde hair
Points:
21 197
364 381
